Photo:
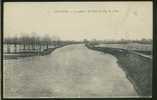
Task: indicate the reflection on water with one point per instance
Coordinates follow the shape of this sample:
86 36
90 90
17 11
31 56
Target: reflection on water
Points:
71 71
20 48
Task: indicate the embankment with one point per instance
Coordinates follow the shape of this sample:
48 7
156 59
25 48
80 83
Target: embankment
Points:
138 69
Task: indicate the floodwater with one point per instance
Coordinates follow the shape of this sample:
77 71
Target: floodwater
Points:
19 48
129 46
70 71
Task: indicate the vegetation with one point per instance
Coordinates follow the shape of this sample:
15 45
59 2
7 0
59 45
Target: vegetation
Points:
31 46
26 40
26 46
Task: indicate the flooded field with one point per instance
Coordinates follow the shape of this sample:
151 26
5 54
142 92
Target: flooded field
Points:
129 46
20 48
71 71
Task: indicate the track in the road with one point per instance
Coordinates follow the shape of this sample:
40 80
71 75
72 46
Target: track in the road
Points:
71 71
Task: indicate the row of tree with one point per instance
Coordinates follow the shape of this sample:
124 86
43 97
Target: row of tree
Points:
35 43
30 43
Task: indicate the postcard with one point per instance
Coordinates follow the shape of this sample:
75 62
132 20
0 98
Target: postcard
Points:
77 49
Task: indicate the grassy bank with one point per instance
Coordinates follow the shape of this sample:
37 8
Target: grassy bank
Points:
138 69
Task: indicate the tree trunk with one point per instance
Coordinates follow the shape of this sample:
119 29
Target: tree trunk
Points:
39 47
47 46
15 47
24 46
8 48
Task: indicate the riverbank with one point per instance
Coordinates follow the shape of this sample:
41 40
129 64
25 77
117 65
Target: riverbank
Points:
28 54
137 68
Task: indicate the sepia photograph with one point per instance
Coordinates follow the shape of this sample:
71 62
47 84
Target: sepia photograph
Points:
77 49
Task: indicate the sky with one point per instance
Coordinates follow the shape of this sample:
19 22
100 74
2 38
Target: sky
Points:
79 20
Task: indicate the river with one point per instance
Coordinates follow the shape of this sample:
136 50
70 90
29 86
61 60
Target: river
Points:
70 71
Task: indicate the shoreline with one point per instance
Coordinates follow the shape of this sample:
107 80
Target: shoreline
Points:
28 54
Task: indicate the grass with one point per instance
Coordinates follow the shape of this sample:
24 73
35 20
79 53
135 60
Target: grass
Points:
138 69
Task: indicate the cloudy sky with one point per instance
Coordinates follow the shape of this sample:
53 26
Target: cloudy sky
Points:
79 20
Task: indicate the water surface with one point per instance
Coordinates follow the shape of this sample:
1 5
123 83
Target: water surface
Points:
71 71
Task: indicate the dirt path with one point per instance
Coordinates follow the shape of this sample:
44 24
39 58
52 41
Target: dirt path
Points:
71 71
